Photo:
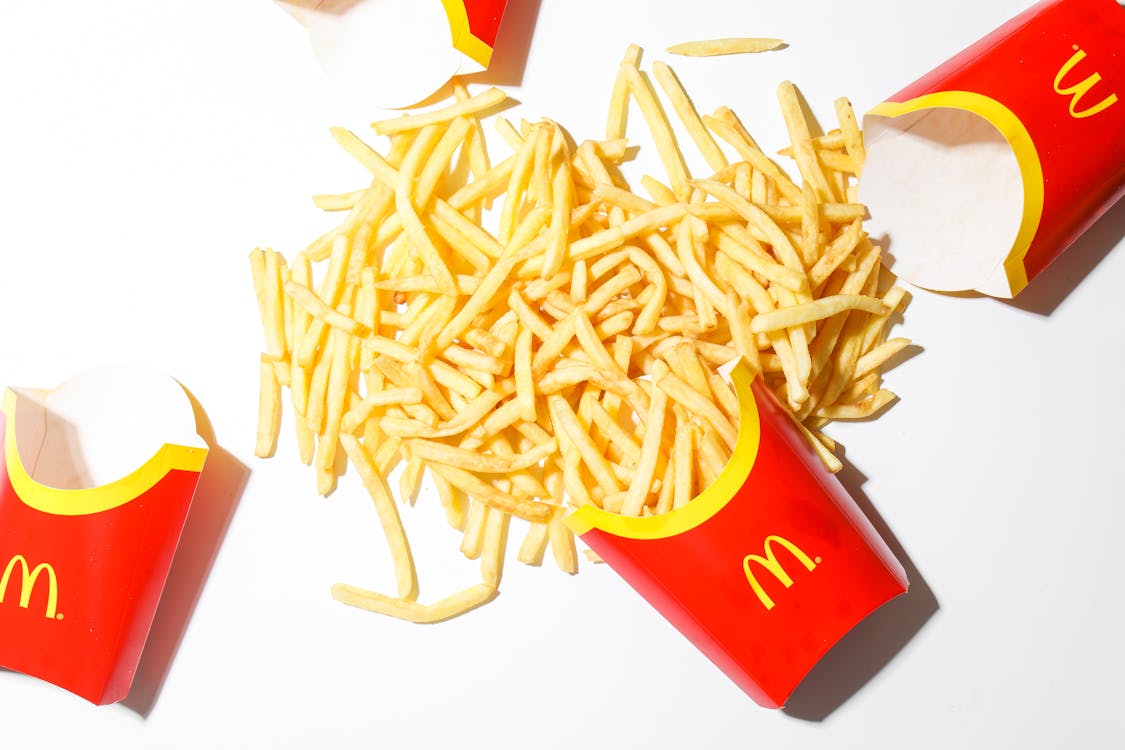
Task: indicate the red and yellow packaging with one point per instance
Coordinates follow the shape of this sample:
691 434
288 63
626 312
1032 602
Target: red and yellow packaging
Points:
984 170
767 568
82 566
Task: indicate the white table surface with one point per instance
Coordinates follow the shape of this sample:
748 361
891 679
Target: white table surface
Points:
146 147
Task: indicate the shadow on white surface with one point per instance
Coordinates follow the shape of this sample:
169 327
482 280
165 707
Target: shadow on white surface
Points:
220 487
513 42
509 55
1054 284
864 651
1047 291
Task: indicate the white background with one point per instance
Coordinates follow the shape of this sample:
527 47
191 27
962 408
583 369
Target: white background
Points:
146 147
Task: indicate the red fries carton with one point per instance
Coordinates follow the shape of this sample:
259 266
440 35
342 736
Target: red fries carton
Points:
984 170
96 478
768 567
395 53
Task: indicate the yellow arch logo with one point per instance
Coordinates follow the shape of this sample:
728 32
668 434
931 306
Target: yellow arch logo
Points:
1080 89
772 566
29 576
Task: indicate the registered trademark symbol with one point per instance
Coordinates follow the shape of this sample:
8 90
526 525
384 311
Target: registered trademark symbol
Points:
59 616
1074 47
817 559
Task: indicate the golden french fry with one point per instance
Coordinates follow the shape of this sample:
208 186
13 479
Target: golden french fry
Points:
534 545
339 376
529 510
809 312
727 126
388 516
726 46
643 475
337 201
877 357
684 459
485 100
801 139
859 410
472 541
272 306
619 99
495 544
659 128
452 500
479 462
698 404
716 159
405 609
269 410
578 437
849 129
562 545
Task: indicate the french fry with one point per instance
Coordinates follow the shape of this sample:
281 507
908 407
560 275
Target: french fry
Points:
643 475
452 500
406 609
485 100
877 357
696 403
529 510
562 545
619 99
801 140
495 544
683 458
478 462
849 129
659 127
664 75
568 353
534 544
272 307
269 410
809 312
726 46
388 516
472 541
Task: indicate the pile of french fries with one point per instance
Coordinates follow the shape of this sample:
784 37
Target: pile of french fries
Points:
534 334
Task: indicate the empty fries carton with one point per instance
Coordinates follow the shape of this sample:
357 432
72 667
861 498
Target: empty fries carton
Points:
96 478
768 567
984 170
395 53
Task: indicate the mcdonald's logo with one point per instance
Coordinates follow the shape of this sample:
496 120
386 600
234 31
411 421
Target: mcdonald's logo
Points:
28 578
771 565
1080 89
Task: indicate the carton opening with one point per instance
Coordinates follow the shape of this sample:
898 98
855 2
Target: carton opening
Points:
92 431
944 189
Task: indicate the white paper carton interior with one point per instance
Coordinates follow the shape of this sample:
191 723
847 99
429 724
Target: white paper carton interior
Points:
100 426
943 187
384 53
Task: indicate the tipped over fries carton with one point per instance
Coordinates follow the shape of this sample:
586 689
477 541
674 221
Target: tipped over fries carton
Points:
984 170
768 567
96 478
395 53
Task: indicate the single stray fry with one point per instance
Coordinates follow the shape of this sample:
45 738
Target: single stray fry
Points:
725 46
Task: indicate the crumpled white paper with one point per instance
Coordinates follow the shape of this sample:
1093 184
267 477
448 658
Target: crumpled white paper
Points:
944 189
